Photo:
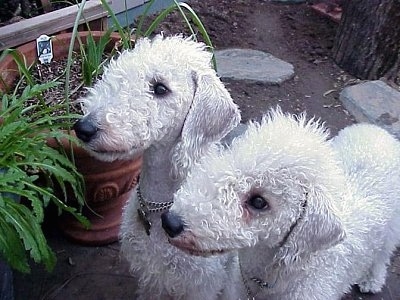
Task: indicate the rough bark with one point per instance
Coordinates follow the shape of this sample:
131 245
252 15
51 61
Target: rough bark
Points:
368 39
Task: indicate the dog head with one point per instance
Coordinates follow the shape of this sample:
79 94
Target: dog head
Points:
163 91
274 187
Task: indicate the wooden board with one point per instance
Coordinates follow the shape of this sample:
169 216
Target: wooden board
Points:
28 30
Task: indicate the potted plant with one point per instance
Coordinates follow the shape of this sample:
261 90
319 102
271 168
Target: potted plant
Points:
26 162
25 20
107 184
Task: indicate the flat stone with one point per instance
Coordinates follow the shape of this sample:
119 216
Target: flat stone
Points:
239 130
374 102
254 65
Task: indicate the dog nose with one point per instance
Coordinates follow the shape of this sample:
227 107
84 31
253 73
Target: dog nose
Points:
172 224
85 130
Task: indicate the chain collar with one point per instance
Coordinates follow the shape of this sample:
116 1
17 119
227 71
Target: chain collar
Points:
261 284
246 285
275 264
148 207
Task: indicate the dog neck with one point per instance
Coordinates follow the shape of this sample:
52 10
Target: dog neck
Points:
262 277
270 274
156 185
156 181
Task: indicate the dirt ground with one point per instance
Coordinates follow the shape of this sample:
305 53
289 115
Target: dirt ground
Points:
294 33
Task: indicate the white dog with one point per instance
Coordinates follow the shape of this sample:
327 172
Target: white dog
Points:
310 217
162 100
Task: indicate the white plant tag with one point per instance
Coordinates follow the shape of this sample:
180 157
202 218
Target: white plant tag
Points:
44 49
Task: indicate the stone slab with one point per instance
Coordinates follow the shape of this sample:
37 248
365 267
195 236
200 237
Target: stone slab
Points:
374 102
239 130
248 64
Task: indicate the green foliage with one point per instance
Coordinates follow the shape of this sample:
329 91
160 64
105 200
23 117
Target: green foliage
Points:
124 33
92 55
25 158
190 18
23 69
92 52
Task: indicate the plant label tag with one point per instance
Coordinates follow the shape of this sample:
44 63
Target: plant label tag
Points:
44 49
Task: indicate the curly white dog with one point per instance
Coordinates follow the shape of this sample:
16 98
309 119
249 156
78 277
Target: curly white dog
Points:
311 217
162 100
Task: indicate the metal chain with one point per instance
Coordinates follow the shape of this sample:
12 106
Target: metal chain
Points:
261 283
248 291
151 206
147 207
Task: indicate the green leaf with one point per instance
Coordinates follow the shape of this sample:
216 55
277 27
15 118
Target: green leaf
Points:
24 154
19 222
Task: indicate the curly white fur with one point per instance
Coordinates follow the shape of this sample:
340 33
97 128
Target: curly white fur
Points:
332 208
172 130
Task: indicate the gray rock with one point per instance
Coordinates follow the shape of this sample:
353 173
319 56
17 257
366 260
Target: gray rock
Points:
239 130
374 102
254 65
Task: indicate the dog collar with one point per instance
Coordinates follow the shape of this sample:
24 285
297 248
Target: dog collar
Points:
147 207
275 263
260 284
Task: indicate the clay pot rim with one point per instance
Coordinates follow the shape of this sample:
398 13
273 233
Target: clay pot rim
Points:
9 70
61 41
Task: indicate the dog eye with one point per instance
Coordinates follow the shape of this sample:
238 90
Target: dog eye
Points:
258 202
160 89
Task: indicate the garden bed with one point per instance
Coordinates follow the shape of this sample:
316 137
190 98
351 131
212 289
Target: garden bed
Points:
30 29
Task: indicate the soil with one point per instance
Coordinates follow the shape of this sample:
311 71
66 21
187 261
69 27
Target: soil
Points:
294 33
55 71
13 11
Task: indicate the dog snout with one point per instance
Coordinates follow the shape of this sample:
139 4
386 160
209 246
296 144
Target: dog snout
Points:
172 224
85 129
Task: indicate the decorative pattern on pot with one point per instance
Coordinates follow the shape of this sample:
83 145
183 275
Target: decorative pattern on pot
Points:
106 192
108 187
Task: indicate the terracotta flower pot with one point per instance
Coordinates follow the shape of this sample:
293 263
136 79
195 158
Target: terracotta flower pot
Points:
107 184
107 188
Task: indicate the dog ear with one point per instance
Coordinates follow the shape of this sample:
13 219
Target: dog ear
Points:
317 229
211 116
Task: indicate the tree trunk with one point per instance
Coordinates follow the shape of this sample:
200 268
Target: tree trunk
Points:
368 39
